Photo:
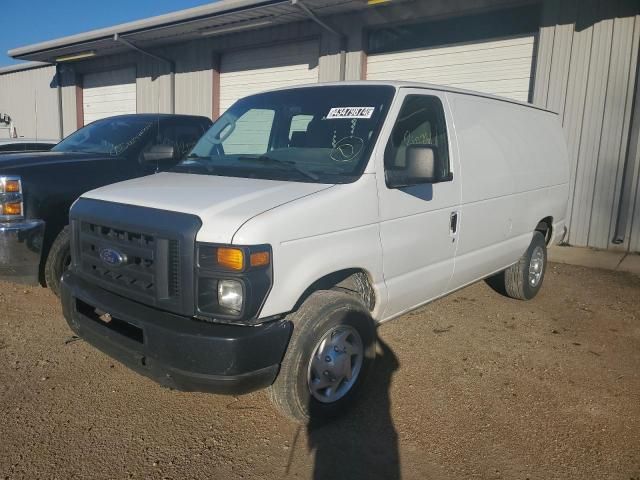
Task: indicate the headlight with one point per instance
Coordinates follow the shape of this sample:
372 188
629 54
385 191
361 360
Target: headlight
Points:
232 281
230 296
11 206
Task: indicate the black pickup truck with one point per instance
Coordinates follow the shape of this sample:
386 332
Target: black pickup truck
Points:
38 188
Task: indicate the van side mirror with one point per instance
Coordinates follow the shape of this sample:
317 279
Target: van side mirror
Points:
158 153
422 165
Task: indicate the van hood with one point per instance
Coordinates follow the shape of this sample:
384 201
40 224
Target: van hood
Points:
224 203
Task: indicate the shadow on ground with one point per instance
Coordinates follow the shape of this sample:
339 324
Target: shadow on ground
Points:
363 444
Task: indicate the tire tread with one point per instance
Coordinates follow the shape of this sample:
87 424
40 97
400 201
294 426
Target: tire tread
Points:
52 269
283 393
513 281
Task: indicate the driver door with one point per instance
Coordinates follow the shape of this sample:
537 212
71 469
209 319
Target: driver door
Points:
418 223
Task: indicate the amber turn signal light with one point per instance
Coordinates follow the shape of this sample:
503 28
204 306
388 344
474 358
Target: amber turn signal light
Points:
231 258
11 209
12 186
259 259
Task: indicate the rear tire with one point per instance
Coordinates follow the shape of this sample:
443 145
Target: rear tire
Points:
523 279
58 260
331 351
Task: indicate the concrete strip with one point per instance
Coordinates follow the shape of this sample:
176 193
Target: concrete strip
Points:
630 263
586 257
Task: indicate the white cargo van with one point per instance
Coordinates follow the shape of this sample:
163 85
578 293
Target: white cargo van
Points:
302 219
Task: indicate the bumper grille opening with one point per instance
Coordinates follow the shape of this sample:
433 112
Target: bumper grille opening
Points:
112 323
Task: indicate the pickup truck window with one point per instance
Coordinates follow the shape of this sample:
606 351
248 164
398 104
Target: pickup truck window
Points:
319 134
181 134
421 122
111 136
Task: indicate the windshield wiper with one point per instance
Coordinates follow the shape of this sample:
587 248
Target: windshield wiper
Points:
199 160
288 164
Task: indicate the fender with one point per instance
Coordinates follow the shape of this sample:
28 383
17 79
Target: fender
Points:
330 231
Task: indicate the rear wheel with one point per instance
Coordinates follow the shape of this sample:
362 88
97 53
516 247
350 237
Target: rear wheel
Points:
523 279
58 260
332 349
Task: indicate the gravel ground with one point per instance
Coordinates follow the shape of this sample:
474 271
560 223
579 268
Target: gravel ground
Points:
472 386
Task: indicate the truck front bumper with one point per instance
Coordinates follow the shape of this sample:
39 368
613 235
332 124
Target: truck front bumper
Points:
175 351
20 250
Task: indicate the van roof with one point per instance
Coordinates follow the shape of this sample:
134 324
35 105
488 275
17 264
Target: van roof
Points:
430 86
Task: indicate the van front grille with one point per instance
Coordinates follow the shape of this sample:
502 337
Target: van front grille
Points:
141 259
144 254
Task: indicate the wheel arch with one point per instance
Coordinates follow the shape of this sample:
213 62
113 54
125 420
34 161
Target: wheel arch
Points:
545 226
354 281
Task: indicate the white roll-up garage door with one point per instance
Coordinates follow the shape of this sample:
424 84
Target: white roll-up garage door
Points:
246 72
105 94
500 67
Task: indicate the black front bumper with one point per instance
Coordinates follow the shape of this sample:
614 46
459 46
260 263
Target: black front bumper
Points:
173 350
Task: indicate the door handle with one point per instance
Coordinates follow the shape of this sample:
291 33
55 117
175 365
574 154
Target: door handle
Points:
453 223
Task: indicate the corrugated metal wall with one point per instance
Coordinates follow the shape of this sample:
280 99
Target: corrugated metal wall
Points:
195 62
586 71
30 98
68 80
194 79
631 186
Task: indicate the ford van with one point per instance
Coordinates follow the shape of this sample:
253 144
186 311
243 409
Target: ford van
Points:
302 219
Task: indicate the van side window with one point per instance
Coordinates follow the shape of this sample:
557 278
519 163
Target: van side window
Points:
298 128
420 122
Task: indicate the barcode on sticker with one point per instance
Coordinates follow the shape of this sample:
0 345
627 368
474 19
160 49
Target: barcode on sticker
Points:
351 112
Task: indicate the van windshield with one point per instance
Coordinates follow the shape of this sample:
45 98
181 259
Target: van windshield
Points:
319 134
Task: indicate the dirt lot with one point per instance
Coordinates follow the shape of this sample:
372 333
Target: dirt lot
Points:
473 386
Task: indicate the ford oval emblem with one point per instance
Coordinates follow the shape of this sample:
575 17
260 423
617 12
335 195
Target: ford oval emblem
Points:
112 257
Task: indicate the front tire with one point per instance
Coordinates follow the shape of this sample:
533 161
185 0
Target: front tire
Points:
58 260
331 351
523 279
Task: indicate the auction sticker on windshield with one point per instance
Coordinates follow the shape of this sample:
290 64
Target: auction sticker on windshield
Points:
350 112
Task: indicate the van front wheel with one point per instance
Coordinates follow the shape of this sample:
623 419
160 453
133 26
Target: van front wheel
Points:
331 350
523 279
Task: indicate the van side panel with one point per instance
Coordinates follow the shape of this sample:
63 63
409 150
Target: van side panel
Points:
332 230
514 168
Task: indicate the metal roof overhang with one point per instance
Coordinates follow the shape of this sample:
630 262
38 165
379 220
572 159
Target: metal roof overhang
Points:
184 25
22 66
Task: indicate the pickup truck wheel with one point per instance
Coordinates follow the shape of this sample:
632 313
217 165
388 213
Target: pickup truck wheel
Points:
58 260
523 279
331 350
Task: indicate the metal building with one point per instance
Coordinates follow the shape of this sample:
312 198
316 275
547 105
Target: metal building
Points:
577 57
28 97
